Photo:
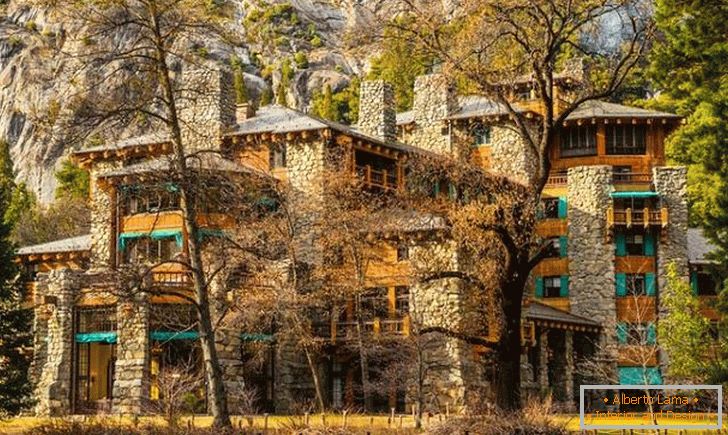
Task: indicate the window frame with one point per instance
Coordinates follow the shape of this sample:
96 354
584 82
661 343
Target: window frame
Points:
550 291
626 139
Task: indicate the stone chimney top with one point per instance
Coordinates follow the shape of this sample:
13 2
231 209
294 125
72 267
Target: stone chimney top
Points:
244 111
377 114
434 99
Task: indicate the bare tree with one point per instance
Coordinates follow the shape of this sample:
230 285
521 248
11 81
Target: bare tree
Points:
127 55
501 48
175 385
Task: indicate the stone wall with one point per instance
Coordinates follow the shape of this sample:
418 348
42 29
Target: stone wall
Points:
132 379
434 101
452 375
53 388
206 102
377 114
103 211
591 255
510 156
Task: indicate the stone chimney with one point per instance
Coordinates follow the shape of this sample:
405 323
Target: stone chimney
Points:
434 101
206 102
244 111
377 114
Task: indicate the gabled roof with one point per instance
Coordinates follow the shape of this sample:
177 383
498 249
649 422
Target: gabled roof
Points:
277 119
538 311
73 244
603 109
698 246
203 161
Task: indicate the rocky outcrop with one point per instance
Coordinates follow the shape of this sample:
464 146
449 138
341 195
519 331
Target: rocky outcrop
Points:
34 79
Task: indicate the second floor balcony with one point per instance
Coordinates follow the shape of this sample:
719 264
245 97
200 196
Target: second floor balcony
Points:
383 327
645 217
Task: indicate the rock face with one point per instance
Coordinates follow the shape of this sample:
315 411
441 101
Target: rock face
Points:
34 80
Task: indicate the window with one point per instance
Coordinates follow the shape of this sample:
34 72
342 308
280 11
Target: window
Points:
374 303
552 286
402 252
635 244
636 285
481 135
277 156
579 141
637 334
145 249
402 302
96 319
148 199
550 208
626 139
555 250
707 286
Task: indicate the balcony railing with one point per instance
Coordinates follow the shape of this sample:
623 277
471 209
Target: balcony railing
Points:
172 278
378 178
631 178
556 180
346 330
645 217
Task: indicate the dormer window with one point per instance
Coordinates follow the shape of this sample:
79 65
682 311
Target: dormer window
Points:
481 135
579 141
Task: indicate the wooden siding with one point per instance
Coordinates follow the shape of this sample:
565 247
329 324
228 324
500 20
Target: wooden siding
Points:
552 227
634 264
707 307
632 355
552 266
146 222
636 309
562 304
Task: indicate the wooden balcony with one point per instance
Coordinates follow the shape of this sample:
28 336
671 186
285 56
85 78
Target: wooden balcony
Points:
643 217
384 179
631 178
147 222
171 275
377 327
557 180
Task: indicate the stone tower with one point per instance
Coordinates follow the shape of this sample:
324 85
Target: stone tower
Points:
434 102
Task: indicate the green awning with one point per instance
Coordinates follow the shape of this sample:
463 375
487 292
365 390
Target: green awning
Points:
251 336
96 337
628 195
154 235
174 335
639 375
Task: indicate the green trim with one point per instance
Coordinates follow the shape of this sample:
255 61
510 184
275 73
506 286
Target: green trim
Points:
563 208
539 287
651 333
563 249
639 375
96 337
650 245
621 333
620 282
564 289
694 282
617 195
252 336
173 335
620 242
154 235
650 284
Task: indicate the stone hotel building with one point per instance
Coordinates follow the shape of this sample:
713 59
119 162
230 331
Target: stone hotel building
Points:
617 213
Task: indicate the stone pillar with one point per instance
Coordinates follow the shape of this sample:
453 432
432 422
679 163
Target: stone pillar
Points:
451 370
377 114
103 219
569 369
41 314
510 156
591 254
53 389
671 184
132 378
206 101
434 101
543 360
306 163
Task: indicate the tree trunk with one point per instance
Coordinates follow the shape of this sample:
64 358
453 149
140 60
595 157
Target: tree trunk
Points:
508 380
363 360
213 371
316 380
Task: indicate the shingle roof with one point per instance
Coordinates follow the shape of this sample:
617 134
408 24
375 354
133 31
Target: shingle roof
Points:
279 119
698 246
146 139
538 311
205 161
80 243
603 109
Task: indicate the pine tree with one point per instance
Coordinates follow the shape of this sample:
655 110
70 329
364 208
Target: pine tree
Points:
688 65
15 319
